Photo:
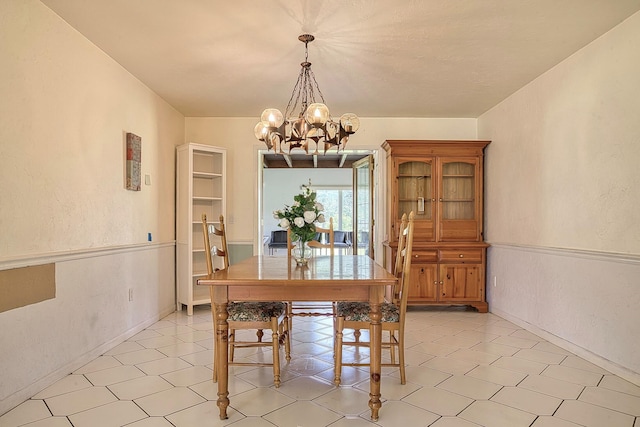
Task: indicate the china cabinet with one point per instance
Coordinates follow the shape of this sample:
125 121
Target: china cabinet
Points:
200 188
442 182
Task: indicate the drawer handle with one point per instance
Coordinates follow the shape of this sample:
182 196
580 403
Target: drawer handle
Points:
416 256
461 256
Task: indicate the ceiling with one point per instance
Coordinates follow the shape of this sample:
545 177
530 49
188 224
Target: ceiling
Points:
329 160
375 58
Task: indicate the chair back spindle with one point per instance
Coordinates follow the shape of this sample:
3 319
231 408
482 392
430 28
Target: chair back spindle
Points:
214 250
405 273
397 267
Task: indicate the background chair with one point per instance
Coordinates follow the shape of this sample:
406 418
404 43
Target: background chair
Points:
342 240
355 315
278 240
248 315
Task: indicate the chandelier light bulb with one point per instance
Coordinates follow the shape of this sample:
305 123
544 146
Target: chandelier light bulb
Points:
261 130
273 117
317 114
349 122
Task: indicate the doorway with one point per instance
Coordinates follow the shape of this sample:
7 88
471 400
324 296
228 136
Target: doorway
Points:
278 182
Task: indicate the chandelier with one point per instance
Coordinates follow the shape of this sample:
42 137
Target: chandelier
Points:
313 128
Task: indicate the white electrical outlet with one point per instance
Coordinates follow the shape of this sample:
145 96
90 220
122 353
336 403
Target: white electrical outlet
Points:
130 294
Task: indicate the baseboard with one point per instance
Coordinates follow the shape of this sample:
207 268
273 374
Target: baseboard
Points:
600 361
36 387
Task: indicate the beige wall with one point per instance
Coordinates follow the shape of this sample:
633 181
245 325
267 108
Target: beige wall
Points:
64 110
562 203
563 167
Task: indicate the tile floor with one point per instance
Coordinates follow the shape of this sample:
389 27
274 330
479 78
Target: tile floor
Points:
466 369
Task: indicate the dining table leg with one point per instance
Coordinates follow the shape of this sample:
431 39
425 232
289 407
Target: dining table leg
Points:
222 353
375 368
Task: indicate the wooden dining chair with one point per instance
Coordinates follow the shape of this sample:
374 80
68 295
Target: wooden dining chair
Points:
355 315
247 315
318 243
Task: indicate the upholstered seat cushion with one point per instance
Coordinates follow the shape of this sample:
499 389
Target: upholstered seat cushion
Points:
255 311
359 311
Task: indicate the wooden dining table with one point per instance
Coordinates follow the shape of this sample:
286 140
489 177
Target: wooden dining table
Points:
325 278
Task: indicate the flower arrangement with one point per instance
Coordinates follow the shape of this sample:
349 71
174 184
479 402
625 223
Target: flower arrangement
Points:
302 215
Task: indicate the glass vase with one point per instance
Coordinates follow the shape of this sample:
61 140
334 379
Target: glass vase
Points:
301 253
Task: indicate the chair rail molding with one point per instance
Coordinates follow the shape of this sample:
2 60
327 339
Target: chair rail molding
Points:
574 253
61 256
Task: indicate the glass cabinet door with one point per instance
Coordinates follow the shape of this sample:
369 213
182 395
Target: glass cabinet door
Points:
416 193
458 190
414 189
458 200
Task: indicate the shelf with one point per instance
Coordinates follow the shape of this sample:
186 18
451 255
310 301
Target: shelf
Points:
414 176
201 295
206 175
458 176
443 200
212 199
201 301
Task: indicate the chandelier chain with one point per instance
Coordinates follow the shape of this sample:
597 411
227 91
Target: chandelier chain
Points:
297 90
315 82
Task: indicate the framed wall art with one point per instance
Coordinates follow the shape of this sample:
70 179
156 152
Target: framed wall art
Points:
134 158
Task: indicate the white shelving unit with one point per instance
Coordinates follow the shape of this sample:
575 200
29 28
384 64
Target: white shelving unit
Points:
200 188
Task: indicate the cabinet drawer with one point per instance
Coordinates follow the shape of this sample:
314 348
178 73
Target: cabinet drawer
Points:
461 255
424 256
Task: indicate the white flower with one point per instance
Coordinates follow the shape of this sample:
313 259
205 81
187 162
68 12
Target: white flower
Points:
309 216
276 214
321 219
284 223
299 222
319 206
296 203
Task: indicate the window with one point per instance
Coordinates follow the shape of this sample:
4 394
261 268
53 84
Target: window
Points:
338 204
